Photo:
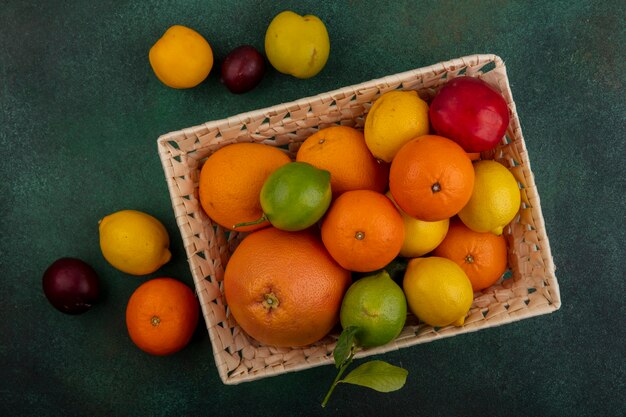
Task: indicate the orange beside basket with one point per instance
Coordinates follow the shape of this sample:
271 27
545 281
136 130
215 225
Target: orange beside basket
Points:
528 289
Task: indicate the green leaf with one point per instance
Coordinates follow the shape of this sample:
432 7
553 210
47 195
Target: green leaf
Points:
378 375
344 345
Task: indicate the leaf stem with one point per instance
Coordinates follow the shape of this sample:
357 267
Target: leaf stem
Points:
342 369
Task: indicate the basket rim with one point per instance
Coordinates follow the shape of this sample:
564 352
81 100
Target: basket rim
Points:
241 117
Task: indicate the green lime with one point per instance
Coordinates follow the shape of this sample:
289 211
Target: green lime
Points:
296 196
377 307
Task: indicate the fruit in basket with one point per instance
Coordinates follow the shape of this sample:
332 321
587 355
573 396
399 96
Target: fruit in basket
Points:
420 237
431 178
363 231
373 313
483 256
495 199
375 305
283 288
470 112
437 290
297 45
71 285
231 180
242 69
341 150
134 242
395 118
161 316
181 58
294 197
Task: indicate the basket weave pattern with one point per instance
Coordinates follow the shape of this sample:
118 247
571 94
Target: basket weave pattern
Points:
529 289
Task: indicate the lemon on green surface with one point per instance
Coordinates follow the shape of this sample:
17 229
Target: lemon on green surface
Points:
134 242
296 196
297 45
420 237
395 118
438 291
377 306
495 200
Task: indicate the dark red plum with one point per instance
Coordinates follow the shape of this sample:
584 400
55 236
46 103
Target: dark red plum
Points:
243 69
71 285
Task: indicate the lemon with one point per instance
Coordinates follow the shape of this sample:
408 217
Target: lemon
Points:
377 306
297 45
420 237
181 58
134 242
394 119
438 291
495 200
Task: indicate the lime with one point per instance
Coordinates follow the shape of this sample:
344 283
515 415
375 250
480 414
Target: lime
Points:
438 291
377 307
134 242
296 196
495 199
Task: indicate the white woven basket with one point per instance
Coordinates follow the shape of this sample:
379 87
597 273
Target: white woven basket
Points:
529 289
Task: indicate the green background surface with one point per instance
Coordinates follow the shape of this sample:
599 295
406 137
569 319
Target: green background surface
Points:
80 112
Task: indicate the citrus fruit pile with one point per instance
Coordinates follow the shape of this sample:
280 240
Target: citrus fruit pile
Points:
410 185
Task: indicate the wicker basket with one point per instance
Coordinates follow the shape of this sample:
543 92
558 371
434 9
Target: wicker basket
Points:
528 289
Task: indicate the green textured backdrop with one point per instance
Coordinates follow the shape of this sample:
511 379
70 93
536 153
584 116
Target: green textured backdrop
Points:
80 112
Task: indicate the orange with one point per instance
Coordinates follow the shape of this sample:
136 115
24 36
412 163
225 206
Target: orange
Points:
431 178
231 181
341 150
483 256
161 316
182 58
363 230
283 288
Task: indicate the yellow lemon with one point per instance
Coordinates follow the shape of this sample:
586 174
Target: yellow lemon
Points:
495 200
438 291
182 58
297 45
420 237
394 119
134 242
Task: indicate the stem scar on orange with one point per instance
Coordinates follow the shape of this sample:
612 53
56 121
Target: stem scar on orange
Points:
363 231
161 316
483 256
431 178
283 288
